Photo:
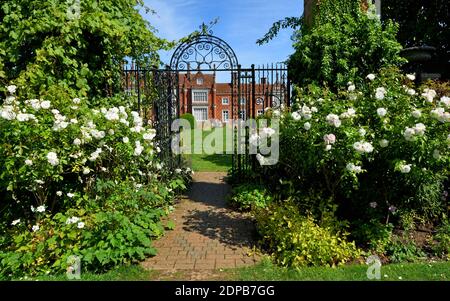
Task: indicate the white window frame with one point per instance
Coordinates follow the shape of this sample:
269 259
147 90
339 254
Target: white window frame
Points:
242 114
260 113
242 101
199 91
223 115
227 102
200 81
259 98
203 108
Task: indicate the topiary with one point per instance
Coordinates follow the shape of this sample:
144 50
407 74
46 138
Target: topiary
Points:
190 118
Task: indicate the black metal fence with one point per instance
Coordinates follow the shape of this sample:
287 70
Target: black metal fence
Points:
254 90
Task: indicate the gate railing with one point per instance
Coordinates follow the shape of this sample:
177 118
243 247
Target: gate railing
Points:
254 90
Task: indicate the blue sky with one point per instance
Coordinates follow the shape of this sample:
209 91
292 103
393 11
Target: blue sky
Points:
241 23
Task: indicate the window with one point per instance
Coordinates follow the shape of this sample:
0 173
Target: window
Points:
199 96
225 101
260 112
243 100
259 101
200 113
242 115
199 81
225 115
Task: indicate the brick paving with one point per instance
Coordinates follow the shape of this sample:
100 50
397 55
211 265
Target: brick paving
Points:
207 234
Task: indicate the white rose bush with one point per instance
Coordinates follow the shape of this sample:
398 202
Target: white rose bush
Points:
93 176
370 146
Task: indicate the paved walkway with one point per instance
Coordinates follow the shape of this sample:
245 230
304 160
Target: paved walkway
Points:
207 234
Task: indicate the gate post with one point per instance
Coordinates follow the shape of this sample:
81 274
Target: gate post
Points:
138 87
253 114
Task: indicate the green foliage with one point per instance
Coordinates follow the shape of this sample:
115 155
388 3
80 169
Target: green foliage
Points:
116 229
343 44
289 22
442 239
247 196
79 181
191 119
404 250
49 46
375 235
396 173
296 240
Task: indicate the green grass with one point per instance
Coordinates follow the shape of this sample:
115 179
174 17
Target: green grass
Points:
120 273
217 161
269 272
394 272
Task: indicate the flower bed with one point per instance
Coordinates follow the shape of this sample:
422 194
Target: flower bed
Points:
371 157
78 181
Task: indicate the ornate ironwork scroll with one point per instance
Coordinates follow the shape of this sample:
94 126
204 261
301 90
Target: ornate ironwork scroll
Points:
204 52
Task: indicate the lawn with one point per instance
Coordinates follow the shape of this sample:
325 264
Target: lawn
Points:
392 272
270 272
213 160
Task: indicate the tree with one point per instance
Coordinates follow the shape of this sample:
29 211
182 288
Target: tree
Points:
344 43
421 22
74 47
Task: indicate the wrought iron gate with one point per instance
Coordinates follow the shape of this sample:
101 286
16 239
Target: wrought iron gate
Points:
253 90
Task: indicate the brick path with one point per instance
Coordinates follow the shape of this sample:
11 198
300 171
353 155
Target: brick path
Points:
207 234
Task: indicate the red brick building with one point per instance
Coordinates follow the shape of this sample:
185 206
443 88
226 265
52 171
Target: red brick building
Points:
206 99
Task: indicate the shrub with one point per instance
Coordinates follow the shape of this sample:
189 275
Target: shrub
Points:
81 182
46 48
376 149
190 118
296 240
247 196
442 240
403 249
374 235
343 44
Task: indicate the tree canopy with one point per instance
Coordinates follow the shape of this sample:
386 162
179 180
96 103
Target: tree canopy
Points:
74 46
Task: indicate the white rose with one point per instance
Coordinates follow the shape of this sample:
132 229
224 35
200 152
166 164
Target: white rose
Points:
370 76
11 89
416 114
125 139
28 162
381 112
40 209
405 168
411 76
362 132
45 104
307 126
296 116
52 158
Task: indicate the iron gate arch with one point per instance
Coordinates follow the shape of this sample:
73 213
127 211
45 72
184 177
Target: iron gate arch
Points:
201 50
269 84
